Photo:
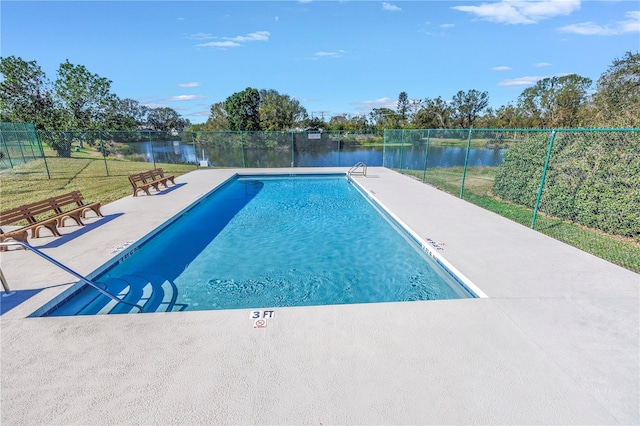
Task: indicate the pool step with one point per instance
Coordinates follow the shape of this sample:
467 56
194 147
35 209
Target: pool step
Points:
151 291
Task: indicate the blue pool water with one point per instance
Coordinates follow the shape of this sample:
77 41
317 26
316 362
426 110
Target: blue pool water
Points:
270 242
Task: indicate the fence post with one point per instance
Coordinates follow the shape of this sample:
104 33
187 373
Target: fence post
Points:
293 147
244 164
33 154
153 157
24 160
46 166
384 147
104 156
401 148
7 148
544 175
338 148
466 160
195 147
426 155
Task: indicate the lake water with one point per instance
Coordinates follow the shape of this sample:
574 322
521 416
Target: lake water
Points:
405 157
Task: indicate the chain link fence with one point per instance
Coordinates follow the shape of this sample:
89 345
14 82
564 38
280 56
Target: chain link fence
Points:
214 149
19 144
561 182
555 181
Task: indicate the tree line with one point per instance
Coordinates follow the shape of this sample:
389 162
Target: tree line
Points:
76 100
80 100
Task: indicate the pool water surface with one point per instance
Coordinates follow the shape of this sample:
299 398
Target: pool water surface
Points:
274 241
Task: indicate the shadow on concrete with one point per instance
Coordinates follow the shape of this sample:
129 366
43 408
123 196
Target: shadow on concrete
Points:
16 297
13 299
80 231
164 191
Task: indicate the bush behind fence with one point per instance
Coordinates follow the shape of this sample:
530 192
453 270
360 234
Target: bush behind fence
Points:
587 176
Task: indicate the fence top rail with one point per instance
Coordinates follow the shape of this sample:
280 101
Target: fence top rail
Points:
294 131
545 130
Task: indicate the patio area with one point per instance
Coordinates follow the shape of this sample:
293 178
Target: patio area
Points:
556 341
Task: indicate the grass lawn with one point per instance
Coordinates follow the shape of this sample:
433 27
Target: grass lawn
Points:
478 190
97 179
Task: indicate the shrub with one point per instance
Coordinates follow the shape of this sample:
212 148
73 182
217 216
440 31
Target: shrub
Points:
593 178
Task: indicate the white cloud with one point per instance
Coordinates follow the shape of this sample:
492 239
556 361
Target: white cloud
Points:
236 41
183 98
221 44
521 81
368 105
188 85
447 25
257 36
501 68
153 105
336 54
541 64
200 36
630 25
521 12
390 7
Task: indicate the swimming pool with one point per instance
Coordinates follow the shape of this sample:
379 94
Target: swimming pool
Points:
272 241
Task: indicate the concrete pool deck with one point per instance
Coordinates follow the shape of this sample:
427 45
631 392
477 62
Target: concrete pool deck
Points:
556 341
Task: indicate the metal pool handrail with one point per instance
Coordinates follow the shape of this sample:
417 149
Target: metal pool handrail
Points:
354 170
69 270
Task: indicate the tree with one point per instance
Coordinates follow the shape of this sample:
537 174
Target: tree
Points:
85 98
116 117
384 118
218 118
435 113
338 122
279 112
358 122
124 114
555 101
507 116
466 107
166 119
26 94
403 108
617 98
134 110
243 110
314 123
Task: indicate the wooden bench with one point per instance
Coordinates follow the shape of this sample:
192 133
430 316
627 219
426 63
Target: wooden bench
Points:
78 209
50 213
150 179
158 174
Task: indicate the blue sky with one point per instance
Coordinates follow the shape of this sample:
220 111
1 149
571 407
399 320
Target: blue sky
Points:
335 57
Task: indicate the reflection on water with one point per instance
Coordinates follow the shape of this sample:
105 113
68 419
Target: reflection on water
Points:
413 157
404 157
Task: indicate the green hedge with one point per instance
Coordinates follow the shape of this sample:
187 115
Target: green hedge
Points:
593 178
